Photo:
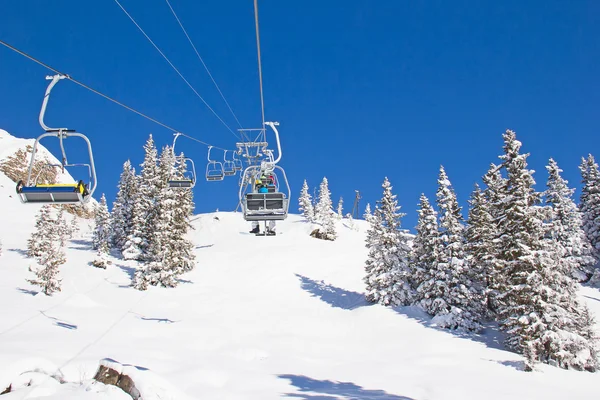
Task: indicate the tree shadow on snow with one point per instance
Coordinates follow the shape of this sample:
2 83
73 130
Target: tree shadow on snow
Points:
81 244
59 322
128 270
330 390
491 335
518 365
592 298
28 291
334 296
19 251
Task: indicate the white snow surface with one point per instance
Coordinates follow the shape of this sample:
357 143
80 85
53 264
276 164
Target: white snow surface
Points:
259 318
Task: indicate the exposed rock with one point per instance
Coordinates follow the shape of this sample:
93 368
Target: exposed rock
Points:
110 373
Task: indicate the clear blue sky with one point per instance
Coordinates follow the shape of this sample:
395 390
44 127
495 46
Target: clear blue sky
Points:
362 89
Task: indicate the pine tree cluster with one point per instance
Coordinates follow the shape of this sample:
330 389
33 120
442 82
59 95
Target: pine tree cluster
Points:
150 221
320 214
517 259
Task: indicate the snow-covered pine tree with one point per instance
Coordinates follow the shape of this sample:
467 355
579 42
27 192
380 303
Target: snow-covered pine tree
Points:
537 303
449 293
44 233
368 213
305 201
158 269
73 227
122 211
351 223
340 209
424 255
63 229
169 252
0 247
480 248
47 274
557 329
324 214
46 245
183 249
495 195
102 234
143 212
567 224
589 202
387 265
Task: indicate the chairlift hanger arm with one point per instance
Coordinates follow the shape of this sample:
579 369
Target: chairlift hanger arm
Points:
273 126
54 80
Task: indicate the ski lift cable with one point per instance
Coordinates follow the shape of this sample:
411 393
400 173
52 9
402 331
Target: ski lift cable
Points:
175 69
83 85
203 63
262 101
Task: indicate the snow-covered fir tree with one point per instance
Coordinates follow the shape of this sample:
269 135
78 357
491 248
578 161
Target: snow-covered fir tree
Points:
102 234
558 329
74 227
143 212
367 214
387 266
306 205
122 210
567 224
46 276
46 245
351 223
589 202
537 303
324 214
449 293
43 234
64 231
169 252
495 195
424 255
340 209
480 248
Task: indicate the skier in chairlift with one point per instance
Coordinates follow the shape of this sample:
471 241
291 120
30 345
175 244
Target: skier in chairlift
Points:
261 187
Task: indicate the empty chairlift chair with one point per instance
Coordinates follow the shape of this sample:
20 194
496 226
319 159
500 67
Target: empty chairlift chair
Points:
228 166
214 169
60 193
178 180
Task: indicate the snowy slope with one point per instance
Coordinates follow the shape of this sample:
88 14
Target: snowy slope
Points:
259 318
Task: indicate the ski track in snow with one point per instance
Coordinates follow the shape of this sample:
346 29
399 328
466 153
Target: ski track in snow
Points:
258 318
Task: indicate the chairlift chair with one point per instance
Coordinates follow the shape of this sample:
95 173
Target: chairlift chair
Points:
228 166
271 206
176 180
237 163
58 193
214 169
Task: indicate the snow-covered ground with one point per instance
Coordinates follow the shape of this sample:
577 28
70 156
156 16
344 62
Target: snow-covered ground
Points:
259 318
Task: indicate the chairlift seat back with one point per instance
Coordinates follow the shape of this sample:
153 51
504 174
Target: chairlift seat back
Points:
181 183
53 193
265 206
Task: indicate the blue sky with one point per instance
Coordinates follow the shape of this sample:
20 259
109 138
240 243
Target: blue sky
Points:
362 89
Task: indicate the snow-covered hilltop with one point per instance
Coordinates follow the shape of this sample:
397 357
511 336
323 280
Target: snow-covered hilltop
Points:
257 318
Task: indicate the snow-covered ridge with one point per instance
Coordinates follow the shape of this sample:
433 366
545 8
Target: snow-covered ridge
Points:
10 144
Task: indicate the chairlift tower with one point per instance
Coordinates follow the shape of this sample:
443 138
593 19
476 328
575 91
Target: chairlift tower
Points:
357 198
